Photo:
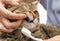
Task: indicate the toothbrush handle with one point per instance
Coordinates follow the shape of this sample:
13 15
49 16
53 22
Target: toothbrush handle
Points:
35 38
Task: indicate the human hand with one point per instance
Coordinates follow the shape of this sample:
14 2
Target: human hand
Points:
56 38
6 13
5 24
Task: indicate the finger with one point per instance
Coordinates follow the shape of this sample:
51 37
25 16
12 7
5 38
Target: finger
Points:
11 2
6 13
9 24
3 29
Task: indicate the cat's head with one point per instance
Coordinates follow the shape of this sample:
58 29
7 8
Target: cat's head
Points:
31 12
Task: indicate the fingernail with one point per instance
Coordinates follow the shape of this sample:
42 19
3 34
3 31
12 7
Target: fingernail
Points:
25 16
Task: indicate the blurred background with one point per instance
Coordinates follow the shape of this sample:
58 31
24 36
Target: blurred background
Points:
42 13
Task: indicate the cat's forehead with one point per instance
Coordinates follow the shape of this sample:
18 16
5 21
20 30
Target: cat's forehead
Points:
28 1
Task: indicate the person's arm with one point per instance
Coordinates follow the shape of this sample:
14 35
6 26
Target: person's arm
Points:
56 38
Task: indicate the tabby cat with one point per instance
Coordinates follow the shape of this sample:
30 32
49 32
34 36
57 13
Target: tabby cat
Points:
31 22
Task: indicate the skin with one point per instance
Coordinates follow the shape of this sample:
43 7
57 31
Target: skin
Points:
56 38
5 24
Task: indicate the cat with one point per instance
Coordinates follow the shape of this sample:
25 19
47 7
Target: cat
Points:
32 23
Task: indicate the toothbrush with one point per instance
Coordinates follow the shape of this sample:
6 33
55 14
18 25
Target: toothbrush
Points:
27 33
